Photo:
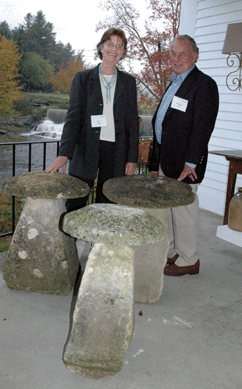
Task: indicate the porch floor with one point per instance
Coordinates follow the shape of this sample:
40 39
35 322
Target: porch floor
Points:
190 339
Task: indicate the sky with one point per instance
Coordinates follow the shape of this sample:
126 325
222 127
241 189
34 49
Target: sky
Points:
73 22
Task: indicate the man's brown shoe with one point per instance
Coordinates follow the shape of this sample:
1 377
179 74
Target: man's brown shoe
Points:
172 260
174 270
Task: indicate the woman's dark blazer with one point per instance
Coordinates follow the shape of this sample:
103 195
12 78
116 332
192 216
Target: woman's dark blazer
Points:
185 135
80 141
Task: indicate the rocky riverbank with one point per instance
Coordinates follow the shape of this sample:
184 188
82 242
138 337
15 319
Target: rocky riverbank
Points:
15 126
32 113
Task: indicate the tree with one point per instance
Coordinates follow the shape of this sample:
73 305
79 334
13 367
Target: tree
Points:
5 30
39 35
62 55
169 11
35 72
36 35
146 101
150 46
9 61
41 55
62 80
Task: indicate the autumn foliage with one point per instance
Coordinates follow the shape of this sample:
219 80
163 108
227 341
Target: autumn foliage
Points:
62 80
9 62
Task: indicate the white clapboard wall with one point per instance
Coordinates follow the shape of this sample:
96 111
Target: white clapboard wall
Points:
206 21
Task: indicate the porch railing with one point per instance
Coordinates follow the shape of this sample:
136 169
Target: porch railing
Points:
13 146
142 167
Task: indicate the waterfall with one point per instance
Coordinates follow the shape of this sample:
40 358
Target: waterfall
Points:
52 126
57 116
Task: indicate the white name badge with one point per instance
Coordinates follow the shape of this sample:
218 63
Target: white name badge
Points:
180 104
98 120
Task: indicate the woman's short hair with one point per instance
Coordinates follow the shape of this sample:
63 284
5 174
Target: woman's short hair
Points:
193 44
106 36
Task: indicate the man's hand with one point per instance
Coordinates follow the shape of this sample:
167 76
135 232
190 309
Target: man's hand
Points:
60 162
188 172
130 168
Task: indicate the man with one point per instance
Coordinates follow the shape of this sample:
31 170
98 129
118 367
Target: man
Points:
183 124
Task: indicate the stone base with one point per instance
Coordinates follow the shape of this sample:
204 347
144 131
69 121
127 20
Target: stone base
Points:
150 260
103 319
41 258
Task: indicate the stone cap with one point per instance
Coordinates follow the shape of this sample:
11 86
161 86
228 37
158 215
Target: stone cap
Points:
147 191
113 224
43 185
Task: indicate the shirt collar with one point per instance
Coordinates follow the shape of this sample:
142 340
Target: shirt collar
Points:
181 77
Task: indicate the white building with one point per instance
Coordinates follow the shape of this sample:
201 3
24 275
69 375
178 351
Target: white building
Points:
206 21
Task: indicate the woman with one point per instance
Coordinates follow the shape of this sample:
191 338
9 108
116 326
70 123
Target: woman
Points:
101 133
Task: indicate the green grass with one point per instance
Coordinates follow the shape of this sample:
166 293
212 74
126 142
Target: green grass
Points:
12 138
56 100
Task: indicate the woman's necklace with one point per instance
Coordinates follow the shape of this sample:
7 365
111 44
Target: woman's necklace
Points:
107 85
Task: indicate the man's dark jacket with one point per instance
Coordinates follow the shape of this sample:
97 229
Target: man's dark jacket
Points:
80 141
185 135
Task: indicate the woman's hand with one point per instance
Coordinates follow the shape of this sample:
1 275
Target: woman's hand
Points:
60 162
130 168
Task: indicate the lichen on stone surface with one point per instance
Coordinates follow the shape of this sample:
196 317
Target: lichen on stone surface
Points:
146 191
22 254
32 233
38 273
64 265
41 185
113 224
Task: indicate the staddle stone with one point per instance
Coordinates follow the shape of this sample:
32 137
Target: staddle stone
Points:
103 318
155 194
41 185
113 224
150 260
147 191
41 257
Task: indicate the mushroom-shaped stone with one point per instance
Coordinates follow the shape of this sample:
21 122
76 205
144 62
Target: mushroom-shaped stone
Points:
103 319
41 185
156 195
42 258
146 191
113 224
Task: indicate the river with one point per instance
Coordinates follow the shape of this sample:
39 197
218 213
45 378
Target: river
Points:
22 155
